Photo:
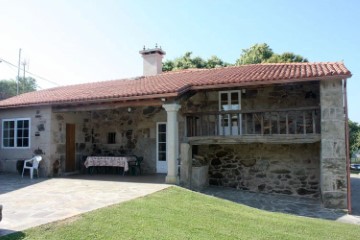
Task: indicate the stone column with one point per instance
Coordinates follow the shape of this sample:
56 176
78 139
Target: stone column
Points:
172 142
333 155
186 163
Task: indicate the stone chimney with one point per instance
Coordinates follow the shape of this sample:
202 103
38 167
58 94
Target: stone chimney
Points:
152 60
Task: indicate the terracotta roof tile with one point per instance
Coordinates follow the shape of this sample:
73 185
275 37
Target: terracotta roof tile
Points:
177 82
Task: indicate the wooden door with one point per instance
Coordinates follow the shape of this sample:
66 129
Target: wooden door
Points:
70 148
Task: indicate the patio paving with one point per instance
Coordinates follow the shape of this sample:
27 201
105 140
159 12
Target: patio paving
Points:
305 207
29 203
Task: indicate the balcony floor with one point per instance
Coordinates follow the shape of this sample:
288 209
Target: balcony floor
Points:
270 139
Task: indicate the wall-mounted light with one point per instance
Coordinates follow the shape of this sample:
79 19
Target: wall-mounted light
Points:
129 109
163 99
243 90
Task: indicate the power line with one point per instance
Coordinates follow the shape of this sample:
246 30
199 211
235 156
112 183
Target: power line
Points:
35 75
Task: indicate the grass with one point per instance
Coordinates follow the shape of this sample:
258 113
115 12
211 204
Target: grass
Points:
176 213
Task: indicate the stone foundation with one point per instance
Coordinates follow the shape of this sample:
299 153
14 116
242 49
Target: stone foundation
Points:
285 169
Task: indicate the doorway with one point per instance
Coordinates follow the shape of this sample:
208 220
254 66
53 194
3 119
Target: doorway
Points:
161 161
70 165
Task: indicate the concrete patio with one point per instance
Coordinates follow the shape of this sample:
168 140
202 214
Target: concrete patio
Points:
29 203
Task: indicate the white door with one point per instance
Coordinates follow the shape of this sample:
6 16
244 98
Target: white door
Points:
161 163
229 123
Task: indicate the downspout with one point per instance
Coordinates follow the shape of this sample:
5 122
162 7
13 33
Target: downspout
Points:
347 150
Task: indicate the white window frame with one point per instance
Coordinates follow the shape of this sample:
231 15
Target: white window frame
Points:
157 147
229 98
15 120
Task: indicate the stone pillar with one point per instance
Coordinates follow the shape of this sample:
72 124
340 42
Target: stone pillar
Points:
186 163
333 155
172 140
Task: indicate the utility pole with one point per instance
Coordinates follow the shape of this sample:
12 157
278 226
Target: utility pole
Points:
24 63
18 76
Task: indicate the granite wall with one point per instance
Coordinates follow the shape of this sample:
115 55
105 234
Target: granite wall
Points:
333 154
132 132
259 97
291 169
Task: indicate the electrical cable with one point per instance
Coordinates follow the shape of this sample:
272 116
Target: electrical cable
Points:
35 75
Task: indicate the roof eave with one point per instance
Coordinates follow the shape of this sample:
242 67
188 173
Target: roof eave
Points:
267 82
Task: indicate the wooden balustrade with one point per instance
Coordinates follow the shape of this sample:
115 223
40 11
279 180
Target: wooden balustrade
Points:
254 122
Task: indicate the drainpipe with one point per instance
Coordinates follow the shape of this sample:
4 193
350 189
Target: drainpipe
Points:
347 150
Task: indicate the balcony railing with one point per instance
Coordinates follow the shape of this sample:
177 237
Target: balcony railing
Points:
254 122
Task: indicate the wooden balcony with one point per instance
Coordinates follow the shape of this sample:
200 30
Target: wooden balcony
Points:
295 125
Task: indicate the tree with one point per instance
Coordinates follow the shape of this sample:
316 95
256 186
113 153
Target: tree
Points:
286 57
187 61
257 53
8 87
354 137
262 53
214 62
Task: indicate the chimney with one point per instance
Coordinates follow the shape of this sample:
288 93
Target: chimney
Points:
152 60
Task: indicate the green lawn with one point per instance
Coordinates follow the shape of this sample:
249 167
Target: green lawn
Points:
176 213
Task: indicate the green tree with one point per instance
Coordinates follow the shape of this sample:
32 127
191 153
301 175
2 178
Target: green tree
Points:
8 87
214 62
354 137
257 53
286 57
187 61
262 53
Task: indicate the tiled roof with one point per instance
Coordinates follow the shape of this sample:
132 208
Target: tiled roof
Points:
176 82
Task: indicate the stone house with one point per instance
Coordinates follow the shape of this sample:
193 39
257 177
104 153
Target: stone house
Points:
273 128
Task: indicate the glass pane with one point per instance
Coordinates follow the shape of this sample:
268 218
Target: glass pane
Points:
234 121
26 133
225 120
224 103
12 124
162 137
19 133
6 125
11 143
162 127
20 124
19 142
26 123
11 133
25 142
162 146
6 142
162 156
235 101
6 134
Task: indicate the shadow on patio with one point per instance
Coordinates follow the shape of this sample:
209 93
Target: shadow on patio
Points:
12 182
305 207
146 178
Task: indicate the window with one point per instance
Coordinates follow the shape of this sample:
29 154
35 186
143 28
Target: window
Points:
16 133
230 123
111 137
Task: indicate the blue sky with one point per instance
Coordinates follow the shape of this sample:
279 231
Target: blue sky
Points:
82 41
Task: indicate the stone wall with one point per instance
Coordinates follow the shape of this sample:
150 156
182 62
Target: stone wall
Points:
134 133
40 124
286 169
333 156
259 97
58 140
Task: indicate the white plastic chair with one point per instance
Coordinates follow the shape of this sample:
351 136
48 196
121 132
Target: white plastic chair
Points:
34 165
